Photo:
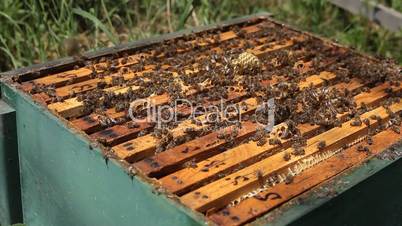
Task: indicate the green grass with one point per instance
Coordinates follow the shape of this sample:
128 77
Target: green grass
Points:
33 31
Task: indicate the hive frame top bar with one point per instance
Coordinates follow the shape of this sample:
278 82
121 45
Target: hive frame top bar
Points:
68 62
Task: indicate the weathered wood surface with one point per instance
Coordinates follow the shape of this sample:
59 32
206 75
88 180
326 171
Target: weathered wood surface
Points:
385 16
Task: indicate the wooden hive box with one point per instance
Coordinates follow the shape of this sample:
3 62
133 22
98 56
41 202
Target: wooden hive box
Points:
331 147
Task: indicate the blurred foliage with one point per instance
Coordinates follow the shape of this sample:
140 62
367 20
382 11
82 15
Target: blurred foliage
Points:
33 31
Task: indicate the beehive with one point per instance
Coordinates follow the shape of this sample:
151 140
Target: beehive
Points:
334 110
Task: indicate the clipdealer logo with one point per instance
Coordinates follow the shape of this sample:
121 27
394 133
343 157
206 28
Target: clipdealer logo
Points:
146 110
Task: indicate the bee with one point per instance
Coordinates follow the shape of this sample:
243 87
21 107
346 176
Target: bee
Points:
15 78
366 121
390 112
363 107
190 130
362 148
142 133
120 107
388 90
185 150
152 162
125 70
225 212
261 141
321 145
102 141
298 151
260 178
196 122
289 179
235 132
396 129
102 59
274 141
369 140
117 80
377 118
123 61
190 164
205 169
221 135
356 122
241 33
337 123
235 218
287 156
178 181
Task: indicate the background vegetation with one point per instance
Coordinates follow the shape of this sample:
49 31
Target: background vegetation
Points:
33 31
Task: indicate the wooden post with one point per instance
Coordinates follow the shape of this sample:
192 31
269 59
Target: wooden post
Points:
384 16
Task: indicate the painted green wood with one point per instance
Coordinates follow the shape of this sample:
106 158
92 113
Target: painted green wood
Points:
10 196
65 183
370 194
